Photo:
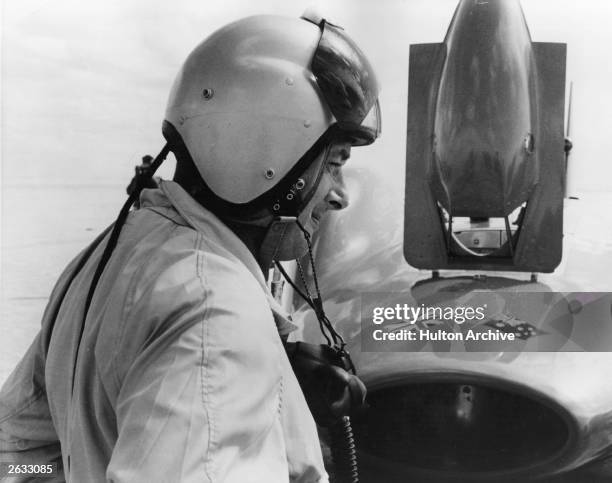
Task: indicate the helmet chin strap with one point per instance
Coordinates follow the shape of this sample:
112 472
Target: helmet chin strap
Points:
282 241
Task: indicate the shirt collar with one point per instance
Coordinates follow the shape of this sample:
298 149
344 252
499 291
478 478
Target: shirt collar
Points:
171 194
190 212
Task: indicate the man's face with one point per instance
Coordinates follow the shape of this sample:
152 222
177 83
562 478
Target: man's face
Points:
331 192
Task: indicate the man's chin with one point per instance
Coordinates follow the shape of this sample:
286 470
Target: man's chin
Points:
311 224
311 227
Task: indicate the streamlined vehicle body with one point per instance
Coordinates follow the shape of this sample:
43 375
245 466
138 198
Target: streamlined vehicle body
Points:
484 224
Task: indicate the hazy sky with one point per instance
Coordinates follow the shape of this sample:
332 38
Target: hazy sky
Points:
84 83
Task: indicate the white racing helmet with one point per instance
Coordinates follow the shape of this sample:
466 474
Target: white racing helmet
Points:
256 96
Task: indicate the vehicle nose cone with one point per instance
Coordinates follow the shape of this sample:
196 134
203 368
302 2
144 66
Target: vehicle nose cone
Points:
484 112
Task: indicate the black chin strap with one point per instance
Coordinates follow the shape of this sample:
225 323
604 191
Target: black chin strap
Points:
272 245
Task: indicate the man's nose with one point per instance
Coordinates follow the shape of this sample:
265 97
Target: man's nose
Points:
338 198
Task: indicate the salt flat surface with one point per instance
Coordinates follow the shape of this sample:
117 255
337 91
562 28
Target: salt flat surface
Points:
43 228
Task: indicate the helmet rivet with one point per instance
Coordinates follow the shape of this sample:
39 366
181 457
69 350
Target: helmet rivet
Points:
307 123
289 81
529 143
269 173
300 183
276 207
207 93
290 196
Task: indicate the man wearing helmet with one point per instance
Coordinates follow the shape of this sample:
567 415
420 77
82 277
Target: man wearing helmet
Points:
161 360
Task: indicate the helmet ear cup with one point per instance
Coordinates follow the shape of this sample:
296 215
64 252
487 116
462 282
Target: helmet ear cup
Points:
188 176
287 198
294 193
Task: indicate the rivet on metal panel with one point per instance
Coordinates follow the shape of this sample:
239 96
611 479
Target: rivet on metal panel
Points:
529 143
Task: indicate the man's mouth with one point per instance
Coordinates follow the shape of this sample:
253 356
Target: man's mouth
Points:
316 217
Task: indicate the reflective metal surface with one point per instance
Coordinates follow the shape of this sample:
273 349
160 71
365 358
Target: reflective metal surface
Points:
484 140
533 408
567 407
484 112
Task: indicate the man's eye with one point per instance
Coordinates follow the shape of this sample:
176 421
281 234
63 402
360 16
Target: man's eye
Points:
335 169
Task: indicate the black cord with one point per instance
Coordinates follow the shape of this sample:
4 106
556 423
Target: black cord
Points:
80 264
343 448
303 278
290 282
316 303
306 298
112 243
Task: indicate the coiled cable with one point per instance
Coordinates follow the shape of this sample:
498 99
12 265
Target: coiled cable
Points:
343 452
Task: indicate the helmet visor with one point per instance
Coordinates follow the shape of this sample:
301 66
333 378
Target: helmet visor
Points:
348 84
